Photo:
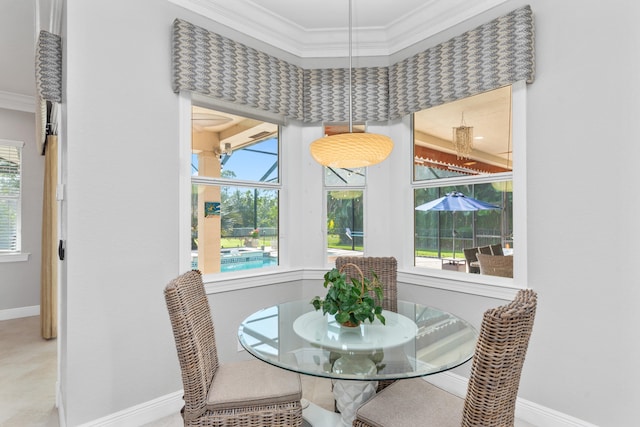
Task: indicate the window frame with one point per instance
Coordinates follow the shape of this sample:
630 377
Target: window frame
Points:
451 280
328 188
221 182
326 191
16 254
227 281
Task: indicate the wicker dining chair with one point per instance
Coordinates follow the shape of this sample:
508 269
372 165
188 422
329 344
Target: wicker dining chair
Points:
247 393
386 268
496 265
493 383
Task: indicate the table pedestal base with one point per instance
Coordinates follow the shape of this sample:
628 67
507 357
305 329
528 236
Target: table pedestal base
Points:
350 395
315 416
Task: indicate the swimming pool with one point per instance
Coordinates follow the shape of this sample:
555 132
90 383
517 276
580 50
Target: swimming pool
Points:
238 259
265 262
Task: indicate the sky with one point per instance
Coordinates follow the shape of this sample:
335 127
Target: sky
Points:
247 164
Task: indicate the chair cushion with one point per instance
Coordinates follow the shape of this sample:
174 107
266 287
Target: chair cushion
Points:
412 402
252 383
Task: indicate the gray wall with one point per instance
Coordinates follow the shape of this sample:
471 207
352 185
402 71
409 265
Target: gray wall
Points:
120 122
20 281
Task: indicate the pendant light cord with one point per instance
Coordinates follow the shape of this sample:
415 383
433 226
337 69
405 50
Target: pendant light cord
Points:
350 70
347 150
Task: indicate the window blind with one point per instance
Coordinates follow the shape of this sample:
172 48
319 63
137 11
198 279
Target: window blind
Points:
10 192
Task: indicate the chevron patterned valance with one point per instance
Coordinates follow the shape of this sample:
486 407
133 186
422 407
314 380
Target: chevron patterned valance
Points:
212 65
326 94
493 55
48 82
49 67
496 54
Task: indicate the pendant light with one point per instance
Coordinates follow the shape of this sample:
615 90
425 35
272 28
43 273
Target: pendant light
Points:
463 139
351 150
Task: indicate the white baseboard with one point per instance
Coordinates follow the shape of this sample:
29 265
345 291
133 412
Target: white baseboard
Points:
62 419
144 413
527 411
16 313
450 382
538 415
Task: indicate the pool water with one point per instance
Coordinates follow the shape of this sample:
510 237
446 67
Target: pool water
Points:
239 259
266 262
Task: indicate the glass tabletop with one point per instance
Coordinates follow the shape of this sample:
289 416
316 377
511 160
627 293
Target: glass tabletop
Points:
418 340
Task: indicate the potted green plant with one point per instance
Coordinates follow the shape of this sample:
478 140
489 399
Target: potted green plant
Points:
351 302
252 239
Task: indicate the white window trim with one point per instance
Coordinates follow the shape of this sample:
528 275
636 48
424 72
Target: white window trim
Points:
230 281
14 257
325 239
490 286
17 255
519 130
184 191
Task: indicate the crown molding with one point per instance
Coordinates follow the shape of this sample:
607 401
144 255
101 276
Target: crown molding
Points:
253 20
16 101
432 19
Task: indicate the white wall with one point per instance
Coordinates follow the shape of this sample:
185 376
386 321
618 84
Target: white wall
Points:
121 124
581 161
121 204
20 281
581 221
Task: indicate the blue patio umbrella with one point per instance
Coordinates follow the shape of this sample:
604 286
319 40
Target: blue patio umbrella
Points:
454 202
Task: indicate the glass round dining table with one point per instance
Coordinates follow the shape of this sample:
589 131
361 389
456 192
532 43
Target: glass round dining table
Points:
415 341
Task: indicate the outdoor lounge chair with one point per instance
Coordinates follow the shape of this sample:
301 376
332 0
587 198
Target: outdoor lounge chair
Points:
485 250
493 384
496 265
496 249
248 393
470 254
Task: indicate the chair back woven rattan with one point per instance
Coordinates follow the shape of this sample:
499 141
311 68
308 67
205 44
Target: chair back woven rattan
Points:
386 268
493 383
497 362
195 339
194 335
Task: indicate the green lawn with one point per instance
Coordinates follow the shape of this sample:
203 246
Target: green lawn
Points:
333 243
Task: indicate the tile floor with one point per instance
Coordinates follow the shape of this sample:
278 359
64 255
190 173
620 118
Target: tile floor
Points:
28 367
27 375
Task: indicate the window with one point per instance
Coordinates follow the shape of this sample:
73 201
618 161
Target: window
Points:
235 192
345 204
10 195
484 173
